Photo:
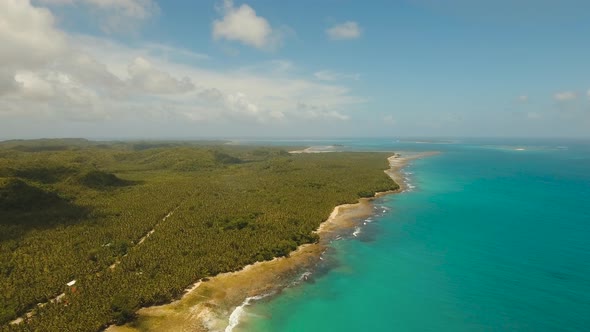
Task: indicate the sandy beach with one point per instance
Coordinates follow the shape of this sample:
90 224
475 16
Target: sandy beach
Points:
216 304
399 161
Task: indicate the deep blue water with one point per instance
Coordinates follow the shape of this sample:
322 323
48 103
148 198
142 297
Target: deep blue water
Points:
490 239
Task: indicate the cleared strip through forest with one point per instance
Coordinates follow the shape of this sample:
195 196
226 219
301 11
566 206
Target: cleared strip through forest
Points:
147 235
56 299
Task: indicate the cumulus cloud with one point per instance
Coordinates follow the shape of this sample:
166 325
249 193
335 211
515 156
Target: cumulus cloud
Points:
28 35
85 69
565 96
242 24
239 103
264 92
346 30
34 87
56 95
48 74
114 15
311 111
29 41
145 77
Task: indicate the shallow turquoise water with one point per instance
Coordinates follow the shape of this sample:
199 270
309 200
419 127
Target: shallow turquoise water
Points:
490 239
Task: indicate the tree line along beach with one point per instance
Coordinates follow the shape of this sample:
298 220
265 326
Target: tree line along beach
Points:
166 215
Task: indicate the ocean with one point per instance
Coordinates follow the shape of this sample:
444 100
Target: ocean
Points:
493 235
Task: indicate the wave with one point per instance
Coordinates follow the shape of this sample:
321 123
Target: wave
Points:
356 232
234 318
407 180
305 276
408 185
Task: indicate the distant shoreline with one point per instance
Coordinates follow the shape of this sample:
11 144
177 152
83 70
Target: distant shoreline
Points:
219 302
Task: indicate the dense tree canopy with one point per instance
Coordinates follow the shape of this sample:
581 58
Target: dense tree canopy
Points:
136 223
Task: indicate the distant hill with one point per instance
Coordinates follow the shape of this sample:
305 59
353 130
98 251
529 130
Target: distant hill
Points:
53 144
18 195
102 180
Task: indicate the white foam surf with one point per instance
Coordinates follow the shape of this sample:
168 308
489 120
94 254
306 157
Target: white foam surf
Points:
305 276
239 311
356 232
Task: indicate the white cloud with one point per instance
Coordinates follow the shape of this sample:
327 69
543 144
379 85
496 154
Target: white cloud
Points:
115 15
29 41
145 77
56 95
588 93
523 98
346 30
28 36
328 75
63 77
311 111
34 87
565 96
238 102
243 25
242 107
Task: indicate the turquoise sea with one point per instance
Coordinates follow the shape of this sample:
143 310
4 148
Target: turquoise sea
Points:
493 236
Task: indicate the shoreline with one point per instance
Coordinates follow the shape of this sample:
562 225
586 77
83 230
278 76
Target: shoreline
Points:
397 162
217 303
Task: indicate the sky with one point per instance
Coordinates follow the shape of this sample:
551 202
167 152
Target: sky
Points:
307 68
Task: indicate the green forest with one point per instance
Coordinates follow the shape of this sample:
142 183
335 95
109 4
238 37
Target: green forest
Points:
135 223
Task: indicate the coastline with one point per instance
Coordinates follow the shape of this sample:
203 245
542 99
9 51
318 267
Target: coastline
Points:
217 303
397 162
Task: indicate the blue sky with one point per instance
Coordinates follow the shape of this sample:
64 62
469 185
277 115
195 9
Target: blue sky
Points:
173 69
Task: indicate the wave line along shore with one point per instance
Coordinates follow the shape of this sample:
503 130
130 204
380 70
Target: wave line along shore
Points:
208 306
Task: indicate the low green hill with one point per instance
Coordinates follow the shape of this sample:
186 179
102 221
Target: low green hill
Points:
18 195
102 180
